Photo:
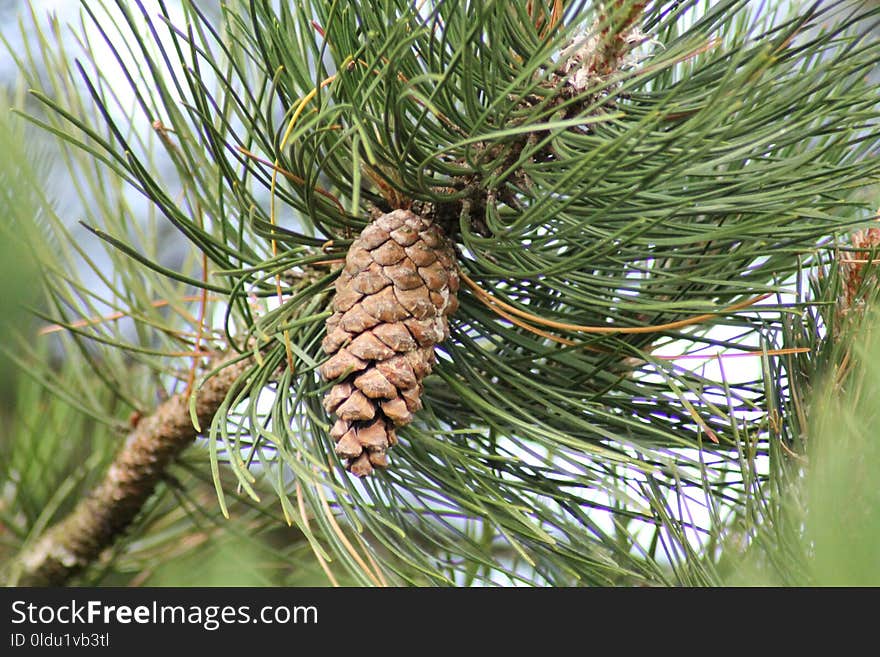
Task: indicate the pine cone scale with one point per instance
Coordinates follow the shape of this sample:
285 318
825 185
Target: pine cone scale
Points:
393 299
396 335
405 275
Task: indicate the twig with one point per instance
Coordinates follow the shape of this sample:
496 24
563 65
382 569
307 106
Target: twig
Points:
290 176
305 520
91 321
495 303
101 517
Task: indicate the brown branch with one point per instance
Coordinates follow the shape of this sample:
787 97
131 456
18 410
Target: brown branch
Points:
106 512
615 27
493 303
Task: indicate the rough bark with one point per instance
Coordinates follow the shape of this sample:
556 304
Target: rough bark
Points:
106 512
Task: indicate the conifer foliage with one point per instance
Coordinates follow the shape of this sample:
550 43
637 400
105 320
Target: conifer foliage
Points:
516 241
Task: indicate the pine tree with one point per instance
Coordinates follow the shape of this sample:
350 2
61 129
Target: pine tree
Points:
444 292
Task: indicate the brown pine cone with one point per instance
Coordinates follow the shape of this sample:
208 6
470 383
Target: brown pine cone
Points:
393 297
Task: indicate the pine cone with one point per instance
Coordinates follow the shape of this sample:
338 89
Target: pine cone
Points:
393 297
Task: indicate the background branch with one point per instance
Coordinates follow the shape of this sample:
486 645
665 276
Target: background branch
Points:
97 521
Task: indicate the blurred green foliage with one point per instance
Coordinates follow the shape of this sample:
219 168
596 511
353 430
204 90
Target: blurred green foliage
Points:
821 520
842 524
18 270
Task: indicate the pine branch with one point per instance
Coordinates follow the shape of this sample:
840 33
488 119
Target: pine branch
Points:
101 517
600 183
